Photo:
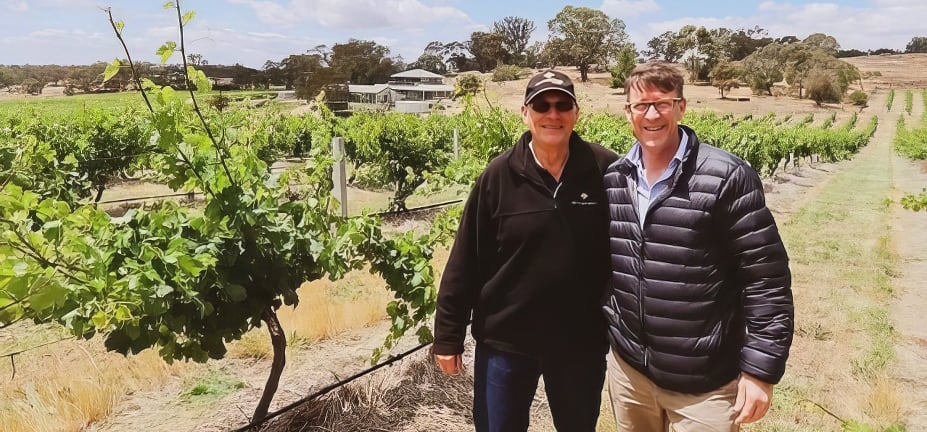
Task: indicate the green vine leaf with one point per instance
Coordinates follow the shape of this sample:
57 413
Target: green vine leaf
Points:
166 51
187 17
119 26
168 5
111 70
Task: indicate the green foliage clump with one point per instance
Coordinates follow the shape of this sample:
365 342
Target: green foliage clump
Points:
859 98
508 73
219 102
626 60
469 84
911 143
403 146
822 88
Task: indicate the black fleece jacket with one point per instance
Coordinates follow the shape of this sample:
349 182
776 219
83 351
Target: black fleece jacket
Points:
530 262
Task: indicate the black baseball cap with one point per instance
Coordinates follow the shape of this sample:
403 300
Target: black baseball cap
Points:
549 80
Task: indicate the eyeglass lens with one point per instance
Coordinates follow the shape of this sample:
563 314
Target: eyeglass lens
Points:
663 106
542 106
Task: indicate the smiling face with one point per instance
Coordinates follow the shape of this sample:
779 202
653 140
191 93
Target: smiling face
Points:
552 127
657 131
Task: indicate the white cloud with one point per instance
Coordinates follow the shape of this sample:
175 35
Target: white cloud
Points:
360 14
628 8
880 24
14 5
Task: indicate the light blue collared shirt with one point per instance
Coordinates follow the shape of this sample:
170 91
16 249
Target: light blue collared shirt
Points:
646 192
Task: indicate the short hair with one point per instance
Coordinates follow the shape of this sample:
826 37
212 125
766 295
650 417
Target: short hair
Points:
662 75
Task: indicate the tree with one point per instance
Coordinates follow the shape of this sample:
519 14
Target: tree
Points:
452 54
822 88
746 41
32 86
196 60
515 32
274 73
362 62
824 42
850 53
881 51
307 73
799 60
430 63
488 50
85 79
665 47
582 36
704 48
7 77
724 76
764 68
918 44
625 61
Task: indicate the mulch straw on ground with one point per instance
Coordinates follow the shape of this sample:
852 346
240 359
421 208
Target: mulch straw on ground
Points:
414 396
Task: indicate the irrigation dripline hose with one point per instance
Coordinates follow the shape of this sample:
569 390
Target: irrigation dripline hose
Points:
329 388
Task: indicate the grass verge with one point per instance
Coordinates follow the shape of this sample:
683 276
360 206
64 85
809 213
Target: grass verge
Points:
842 261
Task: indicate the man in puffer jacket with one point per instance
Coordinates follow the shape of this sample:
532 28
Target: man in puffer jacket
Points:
699 309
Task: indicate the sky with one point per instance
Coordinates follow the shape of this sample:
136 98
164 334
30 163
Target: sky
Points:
250 32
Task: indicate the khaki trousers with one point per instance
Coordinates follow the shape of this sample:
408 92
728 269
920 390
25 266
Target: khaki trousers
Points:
640 406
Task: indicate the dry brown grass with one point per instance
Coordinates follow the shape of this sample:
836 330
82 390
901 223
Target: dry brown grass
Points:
326 309
73 384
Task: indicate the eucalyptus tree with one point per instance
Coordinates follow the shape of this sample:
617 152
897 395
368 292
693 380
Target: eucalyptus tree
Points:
763 68
516 33
918 44
581 37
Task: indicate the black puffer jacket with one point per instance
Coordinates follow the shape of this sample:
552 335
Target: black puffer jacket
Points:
703 291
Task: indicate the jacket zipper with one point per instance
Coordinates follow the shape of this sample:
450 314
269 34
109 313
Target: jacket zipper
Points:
557 190
640 279
640 304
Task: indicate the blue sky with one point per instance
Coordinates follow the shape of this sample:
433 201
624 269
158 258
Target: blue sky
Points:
250 32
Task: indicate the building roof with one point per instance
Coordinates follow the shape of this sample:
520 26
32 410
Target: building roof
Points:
416 73
421 87
369 89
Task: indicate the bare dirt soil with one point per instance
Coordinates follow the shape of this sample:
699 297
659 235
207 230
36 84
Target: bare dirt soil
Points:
171 408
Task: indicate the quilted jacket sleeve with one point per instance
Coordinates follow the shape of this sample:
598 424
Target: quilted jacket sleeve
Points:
762 270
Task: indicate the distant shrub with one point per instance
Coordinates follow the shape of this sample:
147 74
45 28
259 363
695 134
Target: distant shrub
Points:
823 89
467 85
219 102
858 98
508 73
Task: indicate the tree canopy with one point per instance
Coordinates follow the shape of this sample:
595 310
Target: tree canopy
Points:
515 32
581 36
918 44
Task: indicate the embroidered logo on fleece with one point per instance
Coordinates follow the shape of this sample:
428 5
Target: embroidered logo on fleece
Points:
584 196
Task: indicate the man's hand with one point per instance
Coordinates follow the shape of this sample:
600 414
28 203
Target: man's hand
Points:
450 364
753 399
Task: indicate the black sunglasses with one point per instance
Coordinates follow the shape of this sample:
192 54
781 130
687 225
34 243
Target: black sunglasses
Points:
542 106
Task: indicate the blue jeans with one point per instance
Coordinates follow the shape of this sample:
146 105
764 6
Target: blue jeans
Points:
505 384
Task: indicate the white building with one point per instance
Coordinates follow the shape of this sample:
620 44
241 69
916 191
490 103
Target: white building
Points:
414 90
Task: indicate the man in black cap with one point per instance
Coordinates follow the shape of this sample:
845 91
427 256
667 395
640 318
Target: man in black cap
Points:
530 265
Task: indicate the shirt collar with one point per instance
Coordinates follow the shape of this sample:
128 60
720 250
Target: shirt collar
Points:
635 157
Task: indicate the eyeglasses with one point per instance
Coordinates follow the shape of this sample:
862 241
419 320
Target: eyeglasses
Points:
662 106
542 106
